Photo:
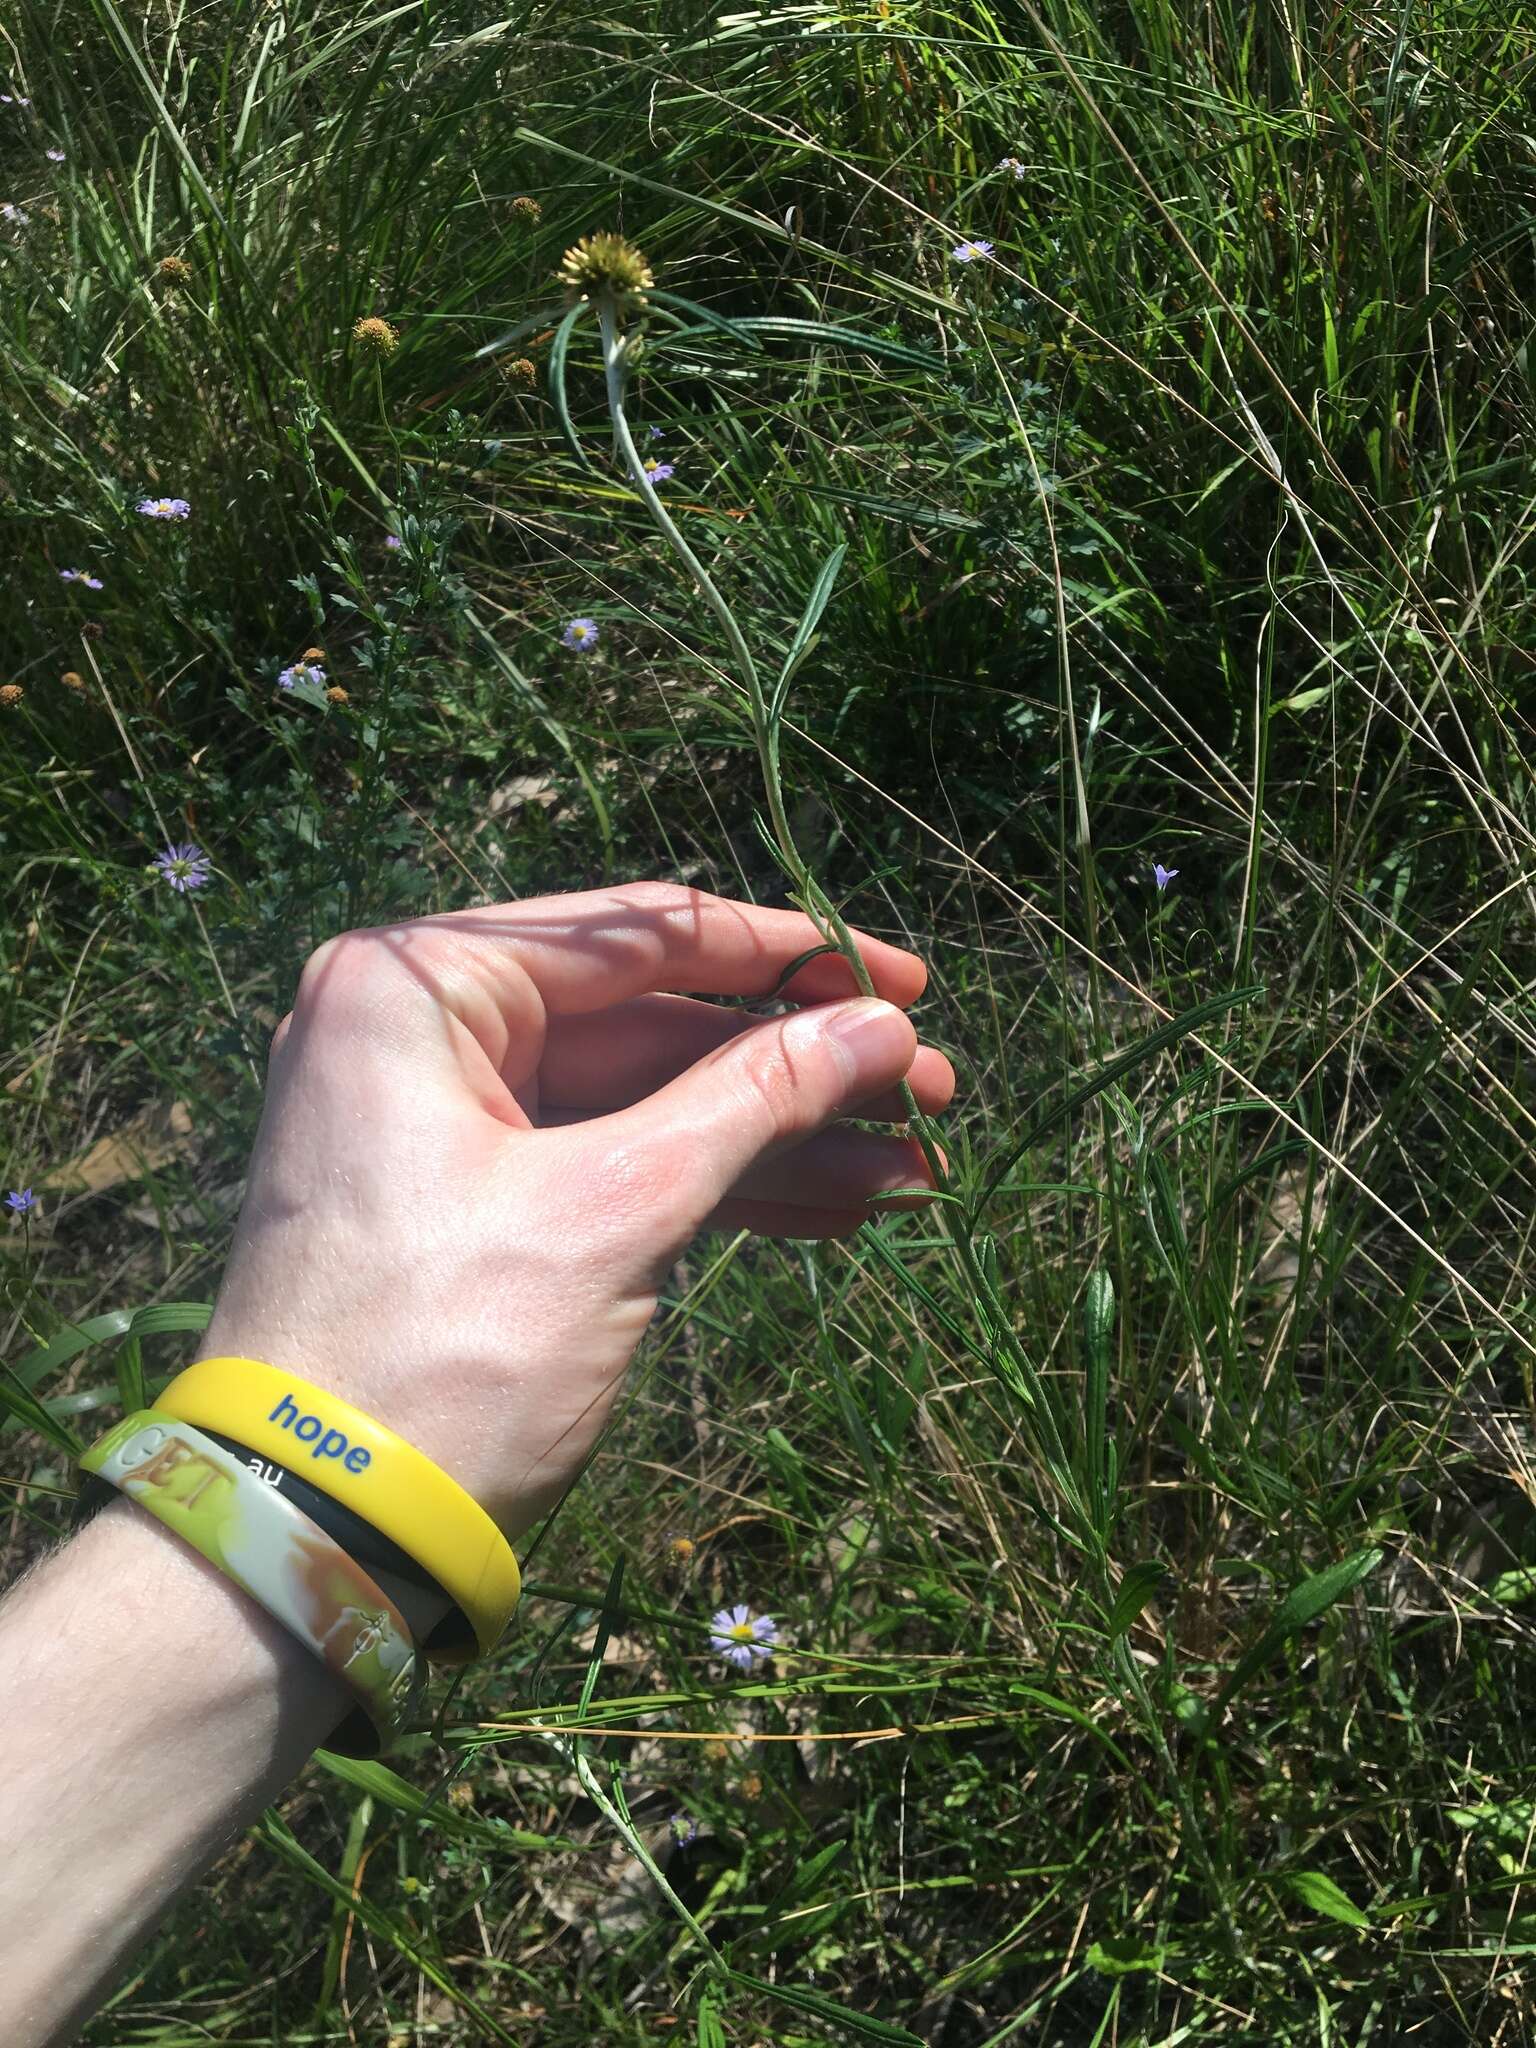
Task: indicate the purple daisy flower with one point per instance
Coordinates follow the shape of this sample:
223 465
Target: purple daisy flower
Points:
1162 876
80 576
685 1829
740 1636
301 672
656 433
658 472
20 1200
580 634
184 867
165 508
970 252
393 542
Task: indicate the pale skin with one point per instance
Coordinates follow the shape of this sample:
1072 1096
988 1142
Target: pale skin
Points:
487 1137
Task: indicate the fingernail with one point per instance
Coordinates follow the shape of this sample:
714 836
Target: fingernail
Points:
870 1037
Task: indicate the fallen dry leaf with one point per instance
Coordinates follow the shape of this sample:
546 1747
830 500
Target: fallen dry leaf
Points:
154 1138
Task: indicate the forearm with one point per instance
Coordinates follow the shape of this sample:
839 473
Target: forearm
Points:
150 1710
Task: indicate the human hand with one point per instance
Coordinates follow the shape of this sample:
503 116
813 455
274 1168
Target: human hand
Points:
488 1135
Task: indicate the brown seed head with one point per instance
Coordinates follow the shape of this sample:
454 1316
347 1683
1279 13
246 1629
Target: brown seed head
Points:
93 629
751 1786
173 270
72 679
715 1751
11 695
520 371
376 337
606 266
461 1795
337 695
313 654
524 208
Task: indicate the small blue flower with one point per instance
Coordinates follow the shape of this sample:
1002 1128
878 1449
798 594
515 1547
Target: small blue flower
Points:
1012 163
685 1829
20 1200
165 508
393 542
658 472
740 1636
301 672
80 576
1162 876
580 634
970 252
656 433
184 867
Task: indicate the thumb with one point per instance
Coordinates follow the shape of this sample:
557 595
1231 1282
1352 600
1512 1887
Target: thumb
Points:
764 1090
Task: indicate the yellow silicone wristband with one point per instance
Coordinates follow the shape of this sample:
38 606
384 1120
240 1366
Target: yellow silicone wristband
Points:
365 1466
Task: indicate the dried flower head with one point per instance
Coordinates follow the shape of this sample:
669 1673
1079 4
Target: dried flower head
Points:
520 371
461 1796
313 654
524 208
175 270
606 266
751 1786
376 337
715 1751
93 629
72 679
11 695
681 1549
337 695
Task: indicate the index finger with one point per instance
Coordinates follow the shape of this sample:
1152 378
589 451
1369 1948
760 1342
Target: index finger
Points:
584 952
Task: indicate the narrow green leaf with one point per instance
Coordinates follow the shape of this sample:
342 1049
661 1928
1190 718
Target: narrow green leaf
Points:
828 2009
559 349
1138 1586
1304 1603
800 646
1137 1055
1316 1889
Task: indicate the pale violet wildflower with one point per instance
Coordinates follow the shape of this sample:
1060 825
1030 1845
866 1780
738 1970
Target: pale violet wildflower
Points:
184 867
302 672
740 1636
80 576
580 634
1012 163
54 156
1162 876
970 252
656 433
685 1829
658 472
393 542
165 508
20 1200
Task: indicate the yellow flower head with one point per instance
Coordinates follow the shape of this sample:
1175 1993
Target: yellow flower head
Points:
606 266
376 337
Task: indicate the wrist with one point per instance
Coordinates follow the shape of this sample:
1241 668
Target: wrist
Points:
151 1710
